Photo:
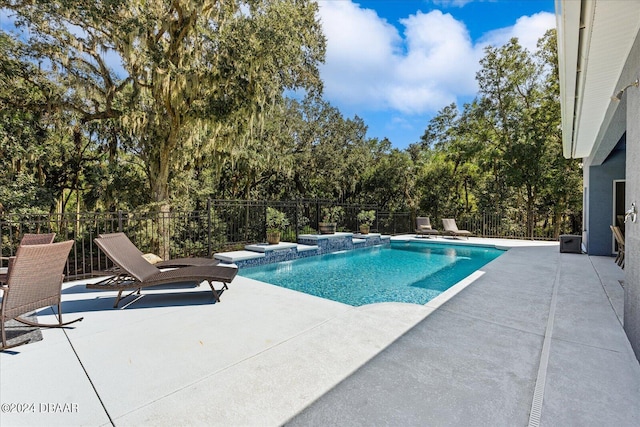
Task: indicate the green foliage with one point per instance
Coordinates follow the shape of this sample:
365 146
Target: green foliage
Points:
502 153
197 77
308 230
366 217
276 220
288 235
197 111
332 214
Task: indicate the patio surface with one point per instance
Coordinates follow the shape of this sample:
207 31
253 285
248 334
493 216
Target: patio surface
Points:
535 340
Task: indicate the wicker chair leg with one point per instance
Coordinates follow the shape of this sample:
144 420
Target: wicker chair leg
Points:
60 323
4 339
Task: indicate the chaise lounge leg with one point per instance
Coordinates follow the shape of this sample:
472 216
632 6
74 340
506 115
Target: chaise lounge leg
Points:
120 297
216 294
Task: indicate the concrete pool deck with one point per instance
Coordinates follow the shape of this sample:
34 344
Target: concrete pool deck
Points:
539 329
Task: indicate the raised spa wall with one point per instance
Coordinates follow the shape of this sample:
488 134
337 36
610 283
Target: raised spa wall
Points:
308 245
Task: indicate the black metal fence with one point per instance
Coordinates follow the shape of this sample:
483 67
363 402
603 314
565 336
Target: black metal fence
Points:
514 226
222 225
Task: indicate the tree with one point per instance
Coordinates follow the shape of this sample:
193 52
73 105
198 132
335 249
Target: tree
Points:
448 170
196 76
522 116
24 131
501 153
562 194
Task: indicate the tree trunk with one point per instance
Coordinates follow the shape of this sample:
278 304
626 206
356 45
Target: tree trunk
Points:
557 221
530 213
159 180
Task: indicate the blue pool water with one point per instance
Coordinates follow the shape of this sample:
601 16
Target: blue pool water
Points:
413 272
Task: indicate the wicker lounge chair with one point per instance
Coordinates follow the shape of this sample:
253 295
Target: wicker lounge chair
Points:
617 234
34 281
423 227
27 239
37 239
451 229
136 273
125 243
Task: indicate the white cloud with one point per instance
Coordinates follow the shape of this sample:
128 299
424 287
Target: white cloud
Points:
528 29
435 67
370 66
361 53
451 3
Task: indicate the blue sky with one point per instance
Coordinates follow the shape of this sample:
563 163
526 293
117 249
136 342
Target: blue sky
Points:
396 63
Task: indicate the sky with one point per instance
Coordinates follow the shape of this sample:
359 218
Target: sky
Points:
396 63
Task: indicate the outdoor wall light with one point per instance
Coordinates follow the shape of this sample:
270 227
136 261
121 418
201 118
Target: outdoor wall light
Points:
618 96
632 213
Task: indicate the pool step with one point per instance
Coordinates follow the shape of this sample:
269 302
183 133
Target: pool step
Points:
265 247
309 245
236 256
263 253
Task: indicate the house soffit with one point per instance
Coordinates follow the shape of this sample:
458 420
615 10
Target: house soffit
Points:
597 50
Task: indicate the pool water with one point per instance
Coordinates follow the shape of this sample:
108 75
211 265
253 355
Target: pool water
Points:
413 272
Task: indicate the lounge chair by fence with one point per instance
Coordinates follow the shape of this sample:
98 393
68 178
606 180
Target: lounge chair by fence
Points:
423 227
135 273
451 229
124 243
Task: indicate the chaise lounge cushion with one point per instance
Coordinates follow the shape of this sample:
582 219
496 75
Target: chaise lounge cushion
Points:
423 227
451 228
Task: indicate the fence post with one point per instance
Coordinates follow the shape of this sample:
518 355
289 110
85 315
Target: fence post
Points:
295 217
484 224
209 227
119 221
377 221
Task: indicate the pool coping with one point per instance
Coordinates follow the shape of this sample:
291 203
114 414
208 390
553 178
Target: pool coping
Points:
448 241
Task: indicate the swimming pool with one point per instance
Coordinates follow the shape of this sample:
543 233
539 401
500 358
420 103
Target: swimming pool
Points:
413 272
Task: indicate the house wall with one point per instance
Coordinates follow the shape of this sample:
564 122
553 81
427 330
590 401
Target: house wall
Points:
586 185
632 230
600 205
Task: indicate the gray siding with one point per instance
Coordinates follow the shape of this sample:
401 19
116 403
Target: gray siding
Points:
601 201
632 230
